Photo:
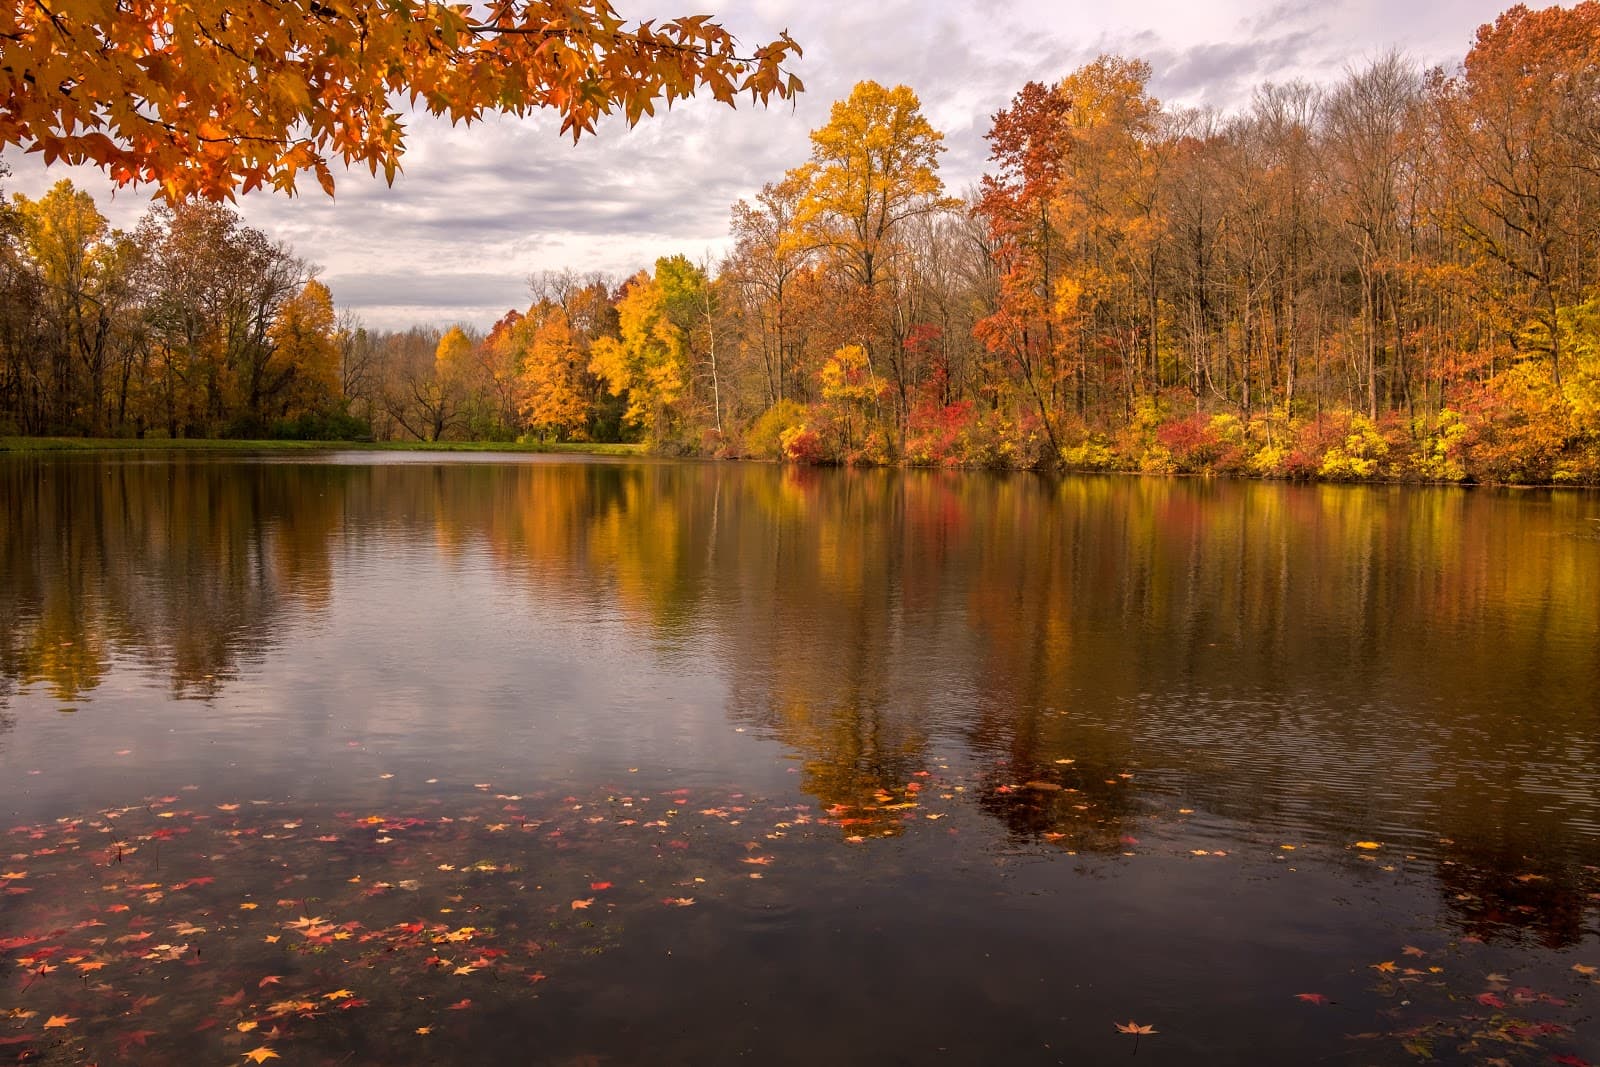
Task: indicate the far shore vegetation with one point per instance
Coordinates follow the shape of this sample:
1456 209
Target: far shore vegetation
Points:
1389 277
154 444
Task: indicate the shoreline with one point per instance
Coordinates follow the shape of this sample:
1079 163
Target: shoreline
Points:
82 445
35 445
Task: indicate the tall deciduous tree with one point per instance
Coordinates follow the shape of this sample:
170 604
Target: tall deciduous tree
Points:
554 401
1029 146
874 167
306 351
649 361
83 277
1522 124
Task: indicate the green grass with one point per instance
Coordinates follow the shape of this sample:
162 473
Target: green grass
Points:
103 444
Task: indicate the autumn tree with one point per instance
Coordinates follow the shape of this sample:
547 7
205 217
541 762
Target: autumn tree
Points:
1522 123
205 99
306 351
1028 145
83 270
19 296
1372 120
874 167
554 403
212 288
649 361
765 257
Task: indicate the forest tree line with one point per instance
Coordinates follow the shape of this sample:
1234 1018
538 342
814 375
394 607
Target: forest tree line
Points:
1395 275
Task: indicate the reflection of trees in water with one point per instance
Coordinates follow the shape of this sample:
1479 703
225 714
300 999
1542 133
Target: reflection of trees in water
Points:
1306 659
183 566
1495 893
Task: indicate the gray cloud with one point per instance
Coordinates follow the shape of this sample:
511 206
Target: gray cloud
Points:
411 289
1223 73
477 209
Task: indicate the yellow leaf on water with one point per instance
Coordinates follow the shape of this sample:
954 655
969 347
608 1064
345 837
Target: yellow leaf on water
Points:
1369 844
261 1055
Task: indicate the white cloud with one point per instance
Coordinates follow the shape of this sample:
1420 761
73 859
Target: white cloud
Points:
478 209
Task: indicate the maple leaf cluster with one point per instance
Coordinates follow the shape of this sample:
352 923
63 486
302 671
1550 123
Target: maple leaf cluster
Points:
208 98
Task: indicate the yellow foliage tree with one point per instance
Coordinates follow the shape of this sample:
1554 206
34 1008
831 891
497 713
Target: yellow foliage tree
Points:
873 166
206 97
552 399
75 251
305 347
650 361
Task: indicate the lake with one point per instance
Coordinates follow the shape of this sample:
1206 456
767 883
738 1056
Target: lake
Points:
379 758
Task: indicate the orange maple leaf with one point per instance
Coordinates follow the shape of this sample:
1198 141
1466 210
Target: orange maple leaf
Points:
1131 1027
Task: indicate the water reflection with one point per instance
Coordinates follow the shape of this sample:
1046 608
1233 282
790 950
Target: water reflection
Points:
1316 664
183 568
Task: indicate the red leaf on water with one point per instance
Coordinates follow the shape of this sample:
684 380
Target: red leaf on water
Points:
1311 998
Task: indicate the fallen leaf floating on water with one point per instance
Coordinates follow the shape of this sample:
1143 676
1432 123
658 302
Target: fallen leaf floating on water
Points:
1311 998
56 1022
579 905
261 1055
1369 845
1583 969
1131 1027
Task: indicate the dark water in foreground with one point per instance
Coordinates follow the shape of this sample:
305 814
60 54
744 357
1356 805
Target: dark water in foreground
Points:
381 759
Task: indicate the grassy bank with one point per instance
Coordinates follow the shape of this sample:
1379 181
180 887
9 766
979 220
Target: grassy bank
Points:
100 444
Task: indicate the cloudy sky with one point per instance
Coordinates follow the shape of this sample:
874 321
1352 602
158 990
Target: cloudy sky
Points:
479 209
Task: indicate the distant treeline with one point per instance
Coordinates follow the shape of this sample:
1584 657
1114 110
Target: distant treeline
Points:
1397 275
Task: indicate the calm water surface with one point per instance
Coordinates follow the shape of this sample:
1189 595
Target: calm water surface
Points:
389 758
